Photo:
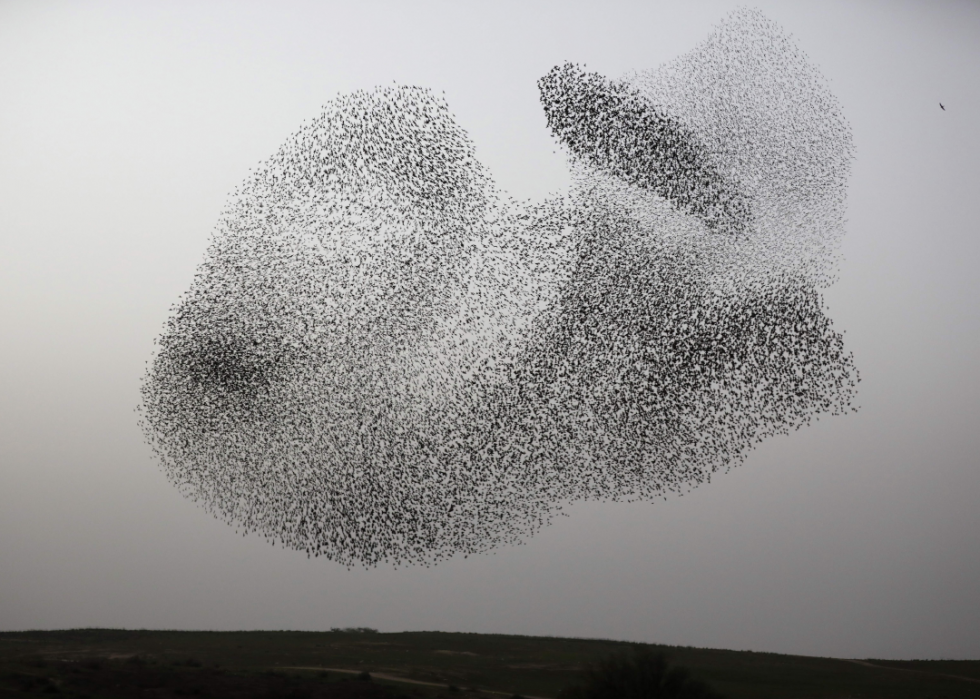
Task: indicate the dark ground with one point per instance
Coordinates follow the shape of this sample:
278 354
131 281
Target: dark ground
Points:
106 663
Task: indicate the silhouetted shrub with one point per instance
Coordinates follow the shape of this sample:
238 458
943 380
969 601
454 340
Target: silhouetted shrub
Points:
640 675
364 676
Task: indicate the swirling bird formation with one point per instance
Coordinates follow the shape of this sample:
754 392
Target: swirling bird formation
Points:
385 358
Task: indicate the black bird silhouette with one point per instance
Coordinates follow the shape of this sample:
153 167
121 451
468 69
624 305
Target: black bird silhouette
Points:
942 107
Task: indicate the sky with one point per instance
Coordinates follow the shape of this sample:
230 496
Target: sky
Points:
125 127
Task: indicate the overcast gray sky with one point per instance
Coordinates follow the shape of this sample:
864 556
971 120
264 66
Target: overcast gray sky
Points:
125 126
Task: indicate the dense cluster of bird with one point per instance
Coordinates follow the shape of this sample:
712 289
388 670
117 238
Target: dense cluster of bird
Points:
384 358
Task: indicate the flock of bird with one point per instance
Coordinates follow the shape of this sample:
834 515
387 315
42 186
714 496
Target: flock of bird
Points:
384 358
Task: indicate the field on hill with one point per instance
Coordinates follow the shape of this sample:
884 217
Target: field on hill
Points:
364 664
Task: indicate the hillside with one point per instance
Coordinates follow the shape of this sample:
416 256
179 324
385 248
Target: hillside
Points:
116 663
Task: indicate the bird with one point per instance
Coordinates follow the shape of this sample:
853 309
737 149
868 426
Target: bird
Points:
942 107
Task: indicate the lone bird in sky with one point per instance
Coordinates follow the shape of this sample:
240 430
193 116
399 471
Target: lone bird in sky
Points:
942 107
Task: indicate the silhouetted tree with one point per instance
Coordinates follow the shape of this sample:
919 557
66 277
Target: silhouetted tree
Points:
641 674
